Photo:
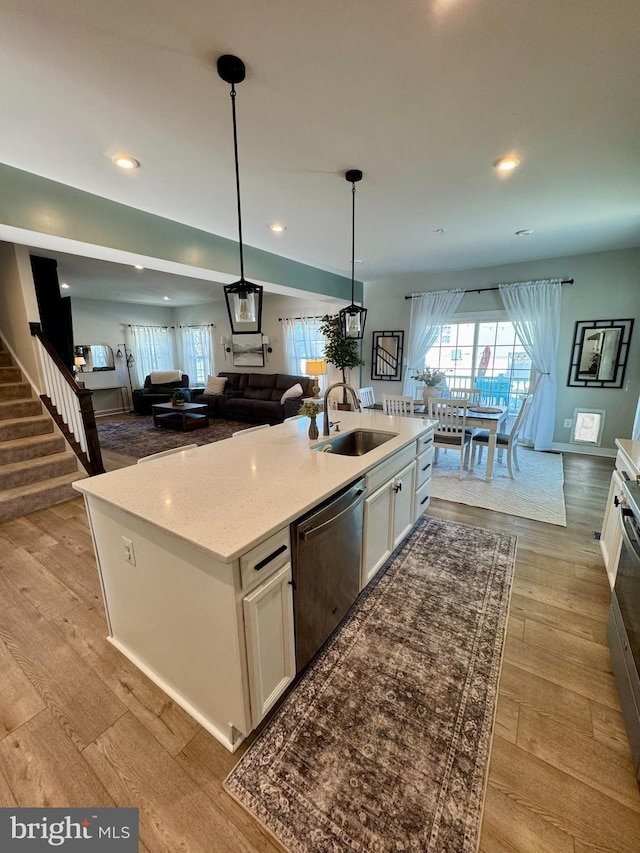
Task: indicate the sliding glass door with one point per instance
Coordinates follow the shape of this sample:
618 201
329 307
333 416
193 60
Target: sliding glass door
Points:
485 355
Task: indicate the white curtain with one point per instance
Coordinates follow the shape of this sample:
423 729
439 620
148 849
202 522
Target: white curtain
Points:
301 341
291 362
534 309
197 358
152 348
429 311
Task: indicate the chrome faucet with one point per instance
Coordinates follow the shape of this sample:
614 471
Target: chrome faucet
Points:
356 402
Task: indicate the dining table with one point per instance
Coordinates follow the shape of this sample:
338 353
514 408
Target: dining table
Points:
491 418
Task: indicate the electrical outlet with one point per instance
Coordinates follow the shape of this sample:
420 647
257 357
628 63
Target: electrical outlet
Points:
568 423
129 554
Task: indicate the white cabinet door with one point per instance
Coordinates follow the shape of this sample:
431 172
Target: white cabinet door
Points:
268 620
404 486
377 531
611 536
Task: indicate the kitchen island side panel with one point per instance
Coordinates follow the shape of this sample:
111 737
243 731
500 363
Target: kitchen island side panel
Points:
176 612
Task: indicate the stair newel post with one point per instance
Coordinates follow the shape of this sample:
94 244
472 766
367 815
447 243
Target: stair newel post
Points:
90 431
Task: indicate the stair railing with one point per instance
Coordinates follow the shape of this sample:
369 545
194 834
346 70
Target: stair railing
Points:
70 406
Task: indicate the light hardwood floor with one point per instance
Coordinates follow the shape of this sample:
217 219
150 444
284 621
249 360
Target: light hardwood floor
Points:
79 725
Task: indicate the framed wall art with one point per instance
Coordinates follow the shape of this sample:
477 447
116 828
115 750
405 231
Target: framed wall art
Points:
247 350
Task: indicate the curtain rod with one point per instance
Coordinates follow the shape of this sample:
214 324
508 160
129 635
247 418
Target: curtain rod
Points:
280 319
486 289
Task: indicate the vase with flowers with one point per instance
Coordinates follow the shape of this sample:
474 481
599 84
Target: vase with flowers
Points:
311 410
432 377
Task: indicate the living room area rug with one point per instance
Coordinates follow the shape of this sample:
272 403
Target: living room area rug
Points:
383 744
536 491
136 435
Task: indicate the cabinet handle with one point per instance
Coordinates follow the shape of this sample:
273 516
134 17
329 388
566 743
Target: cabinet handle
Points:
268 559
616 502
427 466
424 500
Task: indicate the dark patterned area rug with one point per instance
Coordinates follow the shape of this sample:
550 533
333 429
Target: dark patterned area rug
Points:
137 436
384 743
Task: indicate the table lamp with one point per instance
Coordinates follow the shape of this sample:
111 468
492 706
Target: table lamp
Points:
79 362
316 367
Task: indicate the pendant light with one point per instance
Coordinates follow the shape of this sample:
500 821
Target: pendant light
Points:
244 299
353 318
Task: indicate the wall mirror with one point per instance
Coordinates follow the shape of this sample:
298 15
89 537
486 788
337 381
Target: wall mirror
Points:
386 359
599 353
96 357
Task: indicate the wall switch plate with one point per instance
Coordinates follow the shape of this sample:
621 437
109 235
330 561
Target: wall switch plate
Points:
568 423
129 554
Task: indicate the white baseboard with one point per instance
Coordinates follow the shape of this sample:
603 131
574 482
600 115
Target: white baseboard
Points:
584 449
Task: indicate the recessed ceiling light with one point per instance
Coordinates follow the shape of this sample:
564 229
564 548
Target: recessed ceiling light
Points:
278 228
166 298
526 232
439 231
65 285
123 161
138 267
507 164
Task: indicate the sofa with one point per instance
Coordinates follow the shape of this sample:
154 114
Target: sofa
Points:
157 392
255 397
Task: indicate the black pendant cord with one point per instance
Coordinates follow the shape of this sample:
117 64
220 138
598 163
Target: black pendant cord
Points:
235 154
353 240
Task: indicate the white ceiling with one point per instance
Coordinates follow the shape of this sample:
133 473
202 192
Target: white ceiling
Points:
422 95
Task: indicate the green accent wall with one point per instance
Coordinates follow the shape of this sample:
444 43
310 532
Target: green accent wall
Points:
38 204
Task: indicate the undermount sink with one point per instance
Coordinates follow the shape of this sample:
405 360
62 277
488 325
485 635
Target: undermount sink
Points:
355 443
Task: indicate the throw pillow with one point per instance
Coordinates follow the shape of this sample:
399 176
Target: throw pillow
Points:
215 385
294 391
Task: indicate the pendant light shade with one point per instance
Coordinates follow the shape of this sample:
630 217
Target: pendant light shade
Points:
243 298
353 317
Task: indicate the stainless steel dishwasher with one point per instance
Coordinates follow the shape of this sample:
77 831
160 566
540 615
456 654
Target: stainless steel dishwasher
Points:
326 568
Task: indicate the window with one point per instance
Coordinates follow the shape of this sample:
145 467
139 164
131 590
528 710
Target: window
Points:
152 348
197 346
302 341
485 355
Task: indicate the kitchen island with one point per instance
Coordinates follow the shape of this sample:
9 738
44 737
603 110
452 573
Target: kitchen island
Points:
194 554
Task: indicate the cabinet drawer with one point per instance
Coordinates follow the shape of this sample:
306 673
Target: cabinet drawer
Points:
425 441
258 563
425 462
422 499
390 467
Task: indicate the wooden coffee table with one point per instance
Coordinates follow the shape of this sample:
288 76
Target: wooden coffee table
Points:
184 418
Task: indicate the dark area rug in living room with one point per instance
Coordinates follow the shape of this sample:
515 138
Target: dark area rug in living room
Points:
384 743
137 436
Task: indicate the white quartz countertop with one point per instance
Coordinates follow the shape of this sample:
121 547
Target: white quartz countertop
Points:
227 496
631 449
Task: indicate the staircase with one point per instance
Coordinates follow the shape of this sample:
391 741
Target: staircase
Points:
36 466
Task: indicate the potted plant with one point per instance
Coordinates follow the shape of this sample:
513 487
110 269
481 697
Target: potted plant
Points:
178 398
311 410
338 350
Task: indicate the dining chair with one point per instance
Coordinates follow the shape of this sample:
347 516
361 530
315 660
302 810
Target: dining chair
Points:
473 395
451 432
367 397
166 452
393 404
249 429
508 440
